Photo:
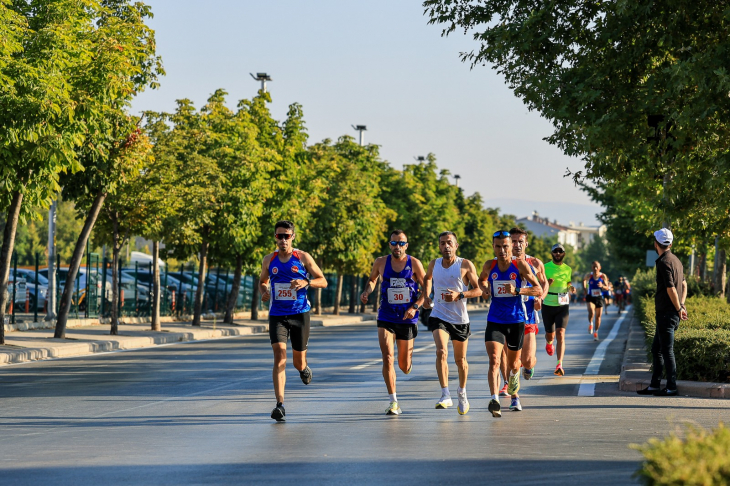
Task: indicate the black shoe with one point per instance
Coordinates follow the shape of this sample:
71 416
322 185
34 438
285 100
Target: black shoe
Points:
666 393
306 375
495 408
647 391
279 413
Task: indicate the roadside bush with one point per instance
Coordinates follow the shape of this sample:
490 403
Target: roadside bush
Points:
700 458
701 344
644 283
695 286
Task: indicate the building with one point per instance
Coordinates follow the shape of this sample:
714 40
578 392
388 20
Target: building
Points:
577 236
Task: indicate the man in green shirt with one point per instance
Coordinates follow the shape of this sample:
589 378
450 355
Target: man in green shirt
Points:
556 303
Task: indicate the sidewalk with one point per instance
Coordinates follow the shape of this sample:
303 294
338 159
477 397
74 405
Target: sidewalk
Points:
636 370
33 345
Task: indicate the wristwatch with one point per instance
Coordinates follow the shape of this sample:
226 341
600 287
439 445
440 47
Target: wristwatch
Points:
461 295
517 292
415 306
307 279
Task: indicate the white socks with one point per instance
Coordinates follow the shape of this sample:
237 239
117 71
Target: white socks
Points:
495 397
392 397
445 392
461 390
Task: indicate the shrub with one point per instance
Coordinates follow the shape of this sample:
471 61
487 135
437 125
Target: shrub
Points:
701 344
700 458
644 283
695 286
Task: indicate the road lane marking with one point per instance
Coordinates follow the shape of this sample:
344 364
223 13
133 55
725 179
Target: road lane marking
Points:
588 389
377 361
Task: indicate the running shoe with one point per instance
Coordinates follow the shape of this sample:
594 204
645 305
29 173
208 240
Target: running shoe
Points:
503 391
528 373
550 349
590 328
463 406
514 384
515 405
595 336
278 413
306 375
445 402
495 408
559 371
393 409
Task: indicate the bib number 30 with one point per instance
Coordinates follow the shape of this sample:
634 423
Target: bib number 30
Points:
398 295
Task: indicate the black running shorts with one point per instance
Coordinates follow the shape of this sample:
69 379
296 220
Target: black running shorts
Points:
510 335
597 301
296 325
457 332
555 316
403 332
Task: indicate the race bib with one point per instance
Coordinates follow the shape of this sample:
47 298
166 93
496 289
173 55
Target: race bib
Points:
441 294
595 292
283 291
399 295
563 298
501 288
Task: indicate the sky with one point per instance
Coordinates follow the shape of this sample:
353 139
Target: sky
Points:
376 63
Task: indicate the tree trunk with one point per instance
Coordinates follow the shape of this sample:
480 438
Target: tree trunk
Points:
318 302
338 293
703 266
353 291
721 273
376 293
235 287
362 306
201 279
255 300
156 286
73 267
116 249
6 254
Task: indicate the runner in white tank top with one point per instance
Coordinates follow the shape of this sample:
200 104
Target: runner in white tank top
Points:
449 276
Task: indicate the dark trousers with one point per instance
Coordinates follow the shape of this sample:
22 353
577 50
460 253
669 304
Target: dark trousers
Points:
662 349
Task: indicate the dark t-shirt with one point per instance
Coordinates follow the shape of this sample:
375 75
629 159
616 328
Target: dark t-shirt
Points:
669 273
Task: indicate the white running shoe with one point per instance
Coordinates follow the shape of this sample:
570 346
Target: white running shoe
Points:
463 406
590 328
393 409
445 402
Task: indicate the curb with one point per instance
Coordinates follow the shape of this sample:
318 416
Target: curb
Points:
636 370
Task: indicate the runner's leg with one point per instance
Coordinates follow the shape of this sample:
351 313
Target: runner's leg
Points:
405 355
529 351
591 311
300 359
441 338
279 373
561 344
599 314
386 340
494 351
460 358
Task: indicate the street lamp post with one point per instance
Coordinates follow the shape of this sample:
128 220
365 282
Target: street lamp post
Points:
51 293
263 77
456 178
361 129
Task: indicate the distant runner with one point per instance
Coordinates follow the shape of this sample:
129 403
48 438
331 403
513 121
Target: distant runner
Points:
618 293
595 283
398 315
556 307
288 272
450 276
505 279
607 293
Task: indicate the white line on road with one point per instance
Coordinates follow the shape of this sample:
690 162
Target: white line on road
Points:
589 389
371 363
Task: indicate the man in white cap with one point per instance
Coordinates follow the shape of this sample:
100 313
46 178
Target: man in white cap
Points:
669 300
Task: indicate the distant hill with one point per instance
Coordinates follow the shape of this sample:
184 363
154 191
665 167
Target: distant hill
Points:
563 212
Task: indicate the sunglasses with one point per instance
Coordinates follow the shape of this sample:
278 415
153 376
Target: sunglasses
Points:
398 243
501 234
558 251
283 236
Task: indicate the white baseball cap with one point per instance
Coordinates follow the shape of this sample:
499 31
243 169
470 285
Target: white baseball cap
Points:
664 236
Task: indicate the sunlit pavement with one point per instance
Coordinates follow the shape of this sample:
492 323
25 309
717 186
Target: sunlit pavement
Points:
198 413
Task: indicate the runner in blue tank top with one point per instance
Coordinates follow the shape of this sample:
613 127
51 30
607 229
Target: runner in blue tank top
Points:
595 283
504 280
285 276
402 275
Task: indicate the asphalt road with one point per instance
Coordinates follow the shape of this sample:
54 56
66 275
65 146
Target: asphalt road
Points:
198 413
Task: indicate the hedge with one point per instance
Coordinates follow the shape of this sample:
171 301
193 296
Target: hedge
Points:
700 458
701 344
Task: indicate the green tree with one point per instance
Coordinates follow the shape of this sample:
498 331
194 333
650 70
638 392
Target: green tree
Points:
349 226
124 63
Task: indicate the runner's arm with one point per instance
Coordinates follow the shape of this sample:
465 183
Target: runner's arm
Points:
471 279
264 279
484 280
419 274
428 281
526 273
372 281
317 280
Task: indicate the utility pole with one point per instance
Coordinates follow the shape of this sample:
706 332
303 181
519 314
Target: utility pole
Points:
456 178
51 295
263 77
361 129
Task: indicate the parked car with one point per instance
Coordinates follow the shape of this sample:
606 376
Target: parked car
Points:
30 277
